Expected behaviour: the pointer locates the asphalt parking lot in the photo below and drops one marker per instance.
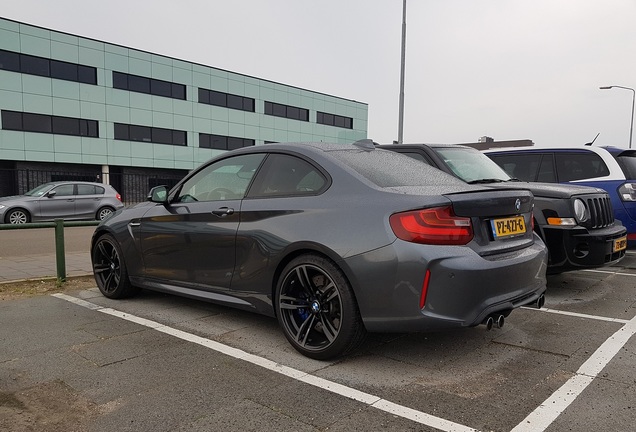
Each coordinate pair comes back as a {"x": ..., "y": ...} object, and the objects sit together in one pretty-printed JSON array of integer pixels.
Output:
[{"x": 163, "y": 363}]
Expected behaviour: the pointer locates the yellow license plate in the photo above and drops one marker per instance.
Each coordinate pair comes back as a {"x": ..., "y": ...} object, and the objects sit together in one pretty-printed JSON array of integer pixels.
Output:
[
  {"x": 620, "y": 244},
  {"x": 506, "y": 227}
]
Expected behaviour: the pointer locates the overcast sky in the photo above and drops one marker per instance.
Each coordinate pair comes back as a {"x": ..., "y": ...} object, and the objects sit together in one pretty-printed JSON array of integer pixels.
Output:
[{"x": 508, "y": 69}]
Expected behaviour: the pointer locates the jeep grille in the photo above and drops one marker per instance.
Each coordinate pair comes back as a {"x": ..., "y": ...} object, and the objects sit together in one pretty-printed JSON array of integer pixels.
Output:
[{"x": 601, "y": 213}]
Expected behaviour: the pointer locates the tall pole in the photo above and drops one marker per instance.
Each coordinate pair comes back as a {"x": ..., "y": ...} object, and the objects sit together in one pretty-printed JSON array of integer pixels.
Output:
[
  {"x": 401, "y": 114},
  {"x": 631, "y": 127}
]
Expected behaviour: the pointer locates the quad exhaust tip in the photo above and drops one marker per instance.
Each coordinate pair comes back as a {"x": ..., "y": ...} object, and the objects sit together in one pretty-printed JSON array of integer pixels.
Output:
[
  {"x": 538, "y": 302},
  {"x": 495, "y": 320}
]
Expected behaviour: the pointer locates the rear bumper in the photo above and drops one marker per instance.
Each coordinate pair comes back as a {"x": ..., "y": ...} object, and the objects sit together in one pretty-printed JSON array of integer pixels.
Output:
[
  {"x": 575, "y": 249},
  {"x": 464, "y": 288}
]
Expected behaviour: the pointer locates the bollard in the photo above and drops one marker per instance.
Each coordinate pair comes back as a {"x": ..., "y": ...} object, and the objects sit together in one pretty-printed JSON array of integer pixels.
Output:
[{"x": 60, "y": 257}]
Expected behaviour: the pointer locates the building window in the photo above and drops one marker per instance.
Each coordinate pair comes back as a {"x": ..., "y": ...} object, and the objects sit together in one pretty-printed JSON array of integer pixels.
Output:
[
  {"x": 151, "y": 86},
  {"x": 30, "y": 122},
  {"x": 334, "y": 120},
  {"x": 128, "y": 132},
  {"x": 212, "y": 97},
  {"x": 221, "y": 142},
  {"x": 41, "y": 66},
  {"x": 290, "y": 112}
]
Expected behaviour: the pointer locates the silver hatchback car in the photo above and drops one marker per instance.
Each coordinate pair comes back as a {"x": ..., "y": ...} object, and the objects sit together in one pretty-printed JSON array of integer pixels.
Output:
[{"x": 65, "y": 200}]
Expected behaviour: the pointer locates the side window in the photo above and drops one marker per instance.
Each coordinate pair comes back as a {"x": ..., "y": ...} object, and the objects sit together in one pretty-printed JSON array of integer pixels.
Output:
[
  {"x": 285, "y": 175},
  {"x": 87, "y": 189},
  {"x": 627, "y": 161},
  {"x": 521, "y": 166},
  {"x": 546, "y": 170},
  {"x": 222, "y": 180},
  {"x": 64, "y": 190},
  {"x": 578, "y": 166}
]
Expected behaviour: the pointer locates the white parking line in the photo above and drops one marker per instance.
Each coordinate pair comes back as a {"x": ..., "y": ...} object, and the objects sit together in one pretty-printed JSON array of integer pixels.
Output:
[
  {"x": 579, "y": 315},
  {"x": 610, "y": 272},
  {"x": 348, "y": 392},
  {"x": 542, "y": 417}
]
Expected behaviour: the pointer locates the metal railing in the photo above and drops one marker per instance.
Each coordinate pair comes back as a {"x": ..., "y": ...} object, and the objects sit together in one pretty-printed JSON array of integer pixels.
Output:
[{"x": 58, "y": 224}]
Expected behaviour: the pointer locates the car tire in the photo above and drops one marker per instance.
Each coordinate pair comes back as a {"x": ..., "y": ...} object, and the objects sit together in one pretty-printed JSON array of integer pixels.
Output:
[
  {"x": 317, "y": 309},
  {"x": 109, "y": 269},
  {"x": 103, "y": 213},
  {"x": 18, "y": 216}
]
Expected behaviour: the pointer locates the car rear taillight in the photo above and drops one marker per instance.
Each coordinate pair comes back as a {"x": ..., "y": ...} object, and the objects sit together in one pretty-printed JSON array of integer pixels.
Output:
[
  {"x": 532, "y": 219},
  {"x": 118, "y": 197},
  {"x": 439, "y": 226},
  {"x": 627, "y": 191}
]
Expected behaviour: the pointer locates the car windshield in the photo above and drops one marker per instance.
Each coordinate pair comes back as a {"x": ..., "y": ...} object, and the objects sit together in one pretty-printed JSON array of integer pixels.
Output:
[
  {"x": 471, "y": 166},
  {"x": 40, "y": 190}
]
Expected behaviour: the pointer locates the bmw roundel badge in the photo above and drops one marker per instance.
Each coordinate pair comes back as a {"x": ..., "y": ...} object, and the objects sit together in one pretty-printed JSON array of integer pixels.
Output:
[{"x": 518, "y": 204}]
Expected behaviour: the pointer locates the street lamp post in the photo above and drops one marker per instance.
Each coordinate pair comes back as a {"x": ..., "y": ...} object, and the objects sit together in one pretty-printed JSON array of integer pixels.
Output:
[
  {"x": 631, "y": 128},
  {"x": 401, "y": 108}
]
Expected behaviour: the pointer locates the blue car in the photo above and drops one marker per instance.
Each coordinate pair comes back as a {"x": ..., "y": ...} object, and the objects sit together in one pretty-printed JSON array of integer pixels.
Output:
[{"x": 610, "y": 168}]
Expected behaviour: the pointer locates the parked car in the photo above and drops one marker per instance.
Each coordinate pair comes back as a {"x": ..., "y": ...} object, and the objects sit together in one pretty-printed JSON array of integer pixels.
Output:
[
  {"x": 333, "y": 240},
  {"x": 68, "y": 200},
  {"x": 609, "y": 168},
  {"x": 576, "y": 222}
]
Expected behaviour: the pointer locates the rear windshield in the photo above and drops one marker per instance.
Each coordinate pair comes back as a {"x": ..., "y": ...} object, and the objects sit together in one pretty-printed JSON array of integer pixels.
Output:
[
  {"x": 627, "y": 161},
  {"x": 386, "y": 168}
]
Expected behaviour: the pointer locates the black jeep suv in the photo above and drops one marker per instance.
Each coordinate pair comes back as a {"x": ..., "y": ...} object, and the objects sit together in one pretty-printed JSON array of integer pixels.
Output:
[{"x": 575, "y": 222}]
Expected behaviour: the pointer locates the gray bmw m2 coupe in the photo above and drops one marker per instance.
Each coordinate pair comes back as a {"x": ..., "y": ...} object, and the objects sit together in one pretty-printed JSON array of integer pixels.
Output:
[{"x": 333, "y": 241}]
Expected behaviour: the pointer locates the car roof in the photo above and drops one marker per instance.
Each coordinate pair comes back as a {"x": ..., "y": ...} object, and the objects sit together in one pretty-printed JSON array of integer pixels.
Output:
[
  {"x": 546, "y": 148},
  {"x": 63, "y": 182},
  {"x": 619, "y": 151},
  {"x": 426, "y": 145}
]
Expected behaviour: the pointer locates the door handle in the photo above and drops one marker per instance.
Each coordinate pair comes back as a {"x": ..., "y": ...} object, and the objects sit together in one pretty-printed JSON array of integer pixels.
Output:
[{"x": 223, "y": 211}]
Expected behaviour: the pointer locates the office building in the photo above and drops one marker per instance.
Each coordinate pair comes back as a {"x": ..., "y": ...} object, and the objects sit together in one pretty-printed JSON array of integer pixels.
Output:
[{"x": 78, "y": 108}]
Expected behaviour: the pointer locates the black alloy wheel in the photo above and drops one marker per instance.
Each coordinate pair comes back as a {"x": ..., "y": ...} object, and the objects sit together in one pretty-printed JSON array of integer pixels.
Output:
[
  {"x": 110, "y": 269},
  {"x": 317, "y": 309}
]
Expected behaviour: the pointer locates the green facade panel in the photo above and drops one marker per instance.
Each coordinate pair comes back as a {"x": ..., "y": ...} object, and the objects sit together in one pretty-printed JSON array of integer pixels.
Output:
[
  {"x": 66, "y": 107},
  {"x": 65, "y": 52},
  {"x": 11, "y": 141},
  {"x": 11, "y": 100},
  {"x": 37, "y": 103}
]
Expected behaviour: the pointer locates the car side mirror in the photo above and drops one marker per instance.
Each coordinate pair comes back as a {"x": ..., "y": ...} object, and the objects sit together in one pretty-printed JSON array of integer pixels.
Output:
[
  {"x": 50, "y": 194},
  {"x": 158, "y": 194}
]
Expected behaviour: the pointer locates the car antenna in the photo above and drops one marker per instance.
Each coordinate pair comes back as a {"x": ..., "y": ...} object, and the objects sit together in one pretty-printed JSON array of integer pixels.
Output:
[
  {"x": 365, "y": 144},
  {"x": 590, "y": 143}
]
